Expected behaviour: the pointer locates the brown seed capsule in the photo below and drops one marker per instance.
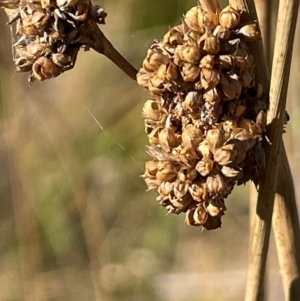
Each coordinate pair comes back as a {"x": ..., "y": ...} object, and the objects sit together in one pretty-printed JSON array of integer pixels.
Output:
[
  {"x": 216, "y": 207},
  {"x": 143, "y": 77},
  {"x": 193, "y": 100},
  {"x": 44, "y": 68},
  {"x": 151, "y": 110},
  {"x": 166, "y": 172},
  {"x": 208, "y": 19},
  {"x": 187, "y": 54},
  {"x": 66, "y": 3},
  {"x": 246, "y": 78},
  {"x": 180, "y": 189},
  {"x": 215, "y": 139},
  {"x": 209, "y": 78},
  {"x": 211, "y": 95},
  {"x": 249, "y": 32},
  {"x": 156, "y": 85},
  {"x": 191, "y": 19},
  {"x": 153, "y": 136},
  {"x": 224, "y": 61},
  {"x": 216, "y": 184},
  {"x": 151, "y": 168},
  {"x": 196, "y": 216},
  {"x": 200, "y": 215},
  {"x": 198, "y": 190},
  {"x": 203, "y": 148},
  {"x": 167, "y": 139},
  {"x": 173, "y": 38},
  {"x": 191, "y": 137},
  {"x": 230, "y": 172},
  {"x": 211, "y": 44},
  {"x": 187, "y": 174},
  {"x": 181, "y": 203},
  {"x": 229, "y": 17},
  {"x": 205, "y": 166},
  {"x": 231, "y": 86},
  {"x": 154, "y": 60},
  {"x": 152, "y": 183},
  {"x": 165, "y": 188},
  {"x": 226, "y": 154},
  {"x": 207, "y": 61},
  {"x": 189, "y": 72},
  {"x": 212, "y": 223}
]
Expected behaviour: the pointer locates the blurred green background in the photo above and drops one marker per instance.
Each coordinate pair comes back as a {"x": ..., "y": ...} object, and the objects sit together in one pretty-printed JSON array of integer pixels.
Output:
[{"x": 75, "y": 221}]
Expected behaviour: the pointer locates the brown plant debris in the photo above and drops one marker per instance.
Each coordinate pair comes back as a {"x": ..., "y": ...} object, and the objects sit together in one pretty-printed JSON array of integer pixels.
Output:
[
  {"x": 49, "y": 33},
  {"x": 206, "y": 121}
]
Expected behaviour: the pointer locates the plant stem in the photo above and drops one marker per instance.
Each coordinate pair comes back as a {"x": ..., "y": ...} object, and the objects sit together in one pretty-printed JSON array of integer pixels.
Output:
[
  {"x": 262, "y": 223},
  {"x": 93, "y": 37}
]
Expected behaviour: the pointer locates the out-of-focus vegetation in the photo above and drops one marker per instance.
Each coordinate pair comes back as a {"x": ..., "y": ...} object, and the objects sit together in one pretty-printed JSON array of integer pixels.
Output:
[{"x": 75, "y": 221}]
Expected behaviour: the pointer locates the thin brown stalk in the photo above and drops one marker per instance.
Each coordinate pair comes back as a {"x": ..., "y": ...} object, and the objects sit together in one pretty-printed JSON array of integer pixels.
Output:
[
  {"x": 286, "y": 231},
  {"x": 93, "y": 37},
  {"x": 210, "y": 5},
  {"x": 262, "y": 223}
]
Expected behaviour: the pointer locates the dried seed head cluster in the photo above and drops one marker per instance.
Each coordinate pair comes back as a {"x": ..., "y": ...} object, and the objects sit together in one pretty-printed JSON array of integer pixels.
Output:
[
  {"x": 48, "y": 33},
  {"x": 205, "y": 122}
]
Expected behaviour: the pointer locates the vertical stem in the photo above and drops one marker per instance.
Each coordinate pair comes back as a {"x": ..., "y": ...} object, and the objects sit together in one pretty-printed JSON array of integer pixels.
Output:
[
  {"x": 261, "y": 231},
  {"x": 286, "y": 231}
]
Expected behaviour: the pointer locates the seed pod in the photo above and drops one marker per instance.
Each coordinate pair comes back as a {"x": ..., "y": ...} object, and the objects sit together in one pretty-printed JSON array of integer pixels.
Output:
[
  {"x": 151, "y": 168},
  {"x": 152, "y": 183},
  {"x": 216, "y": 207},
  {"x": 198, "y": 191},
  {"x": 151, "y": 110},
  {"x": 187, "y": 174},
  {"x": 211, "y": 95},
  {"x": 191, "y": 137},
  {"x": 191, "y": 19},
  {"x": 180, "y": 189},
  {"x": 66, "y": 3},
  {"x": 156, "y": 85},
  {"x": 208, "y": 19},
  {"x": 211, "y": 44},
  {"x": 246, "y": 78},
  {"x": 193, "y": 100},
  {"x": 167, "y": 139},
  {"x": 196, "y": 216},
  {"x": 173, "y": 38},
  {"x": 44, "y": 68},
  {"x": 231, "y": 86},
  {"x": 143, "y": 77},
  {"x": 212, "y": 223},
  {"x": 209, "y": 78},
  {"x": 165, "y": 188},
  {"x": 249, "y": 32},
  {"x": 166, "y": 171},
  {"x": 215, "y": 139},
  {"x": 224, "y": 61},
  {"x": 205, "y": 166},
  {"x": 188, "y": 156},
  {"x": 229, "y": 17},
  {"x": 189, "y": 72},
  {"x": 187, "y": 54},
  {"x": 203, "y": 148},
  {"x": 154, "y": 60},
  {"x": 226, "y": 154},
  {"x": 230, "y": 172},
  {"x": 181, "y": 203},
  {"x": 207, "y": 61},
  {"x": 216, "y": 185}
]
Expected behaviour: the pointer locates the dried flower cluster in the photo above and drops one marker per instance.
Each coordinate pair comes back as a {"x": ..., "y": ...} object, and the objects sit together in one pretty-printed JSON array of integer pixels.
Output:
[
  {"x": 205, "y": 123},
  {"x": 48, "y": 33}
]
